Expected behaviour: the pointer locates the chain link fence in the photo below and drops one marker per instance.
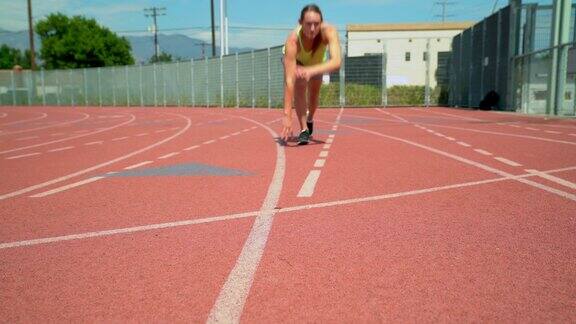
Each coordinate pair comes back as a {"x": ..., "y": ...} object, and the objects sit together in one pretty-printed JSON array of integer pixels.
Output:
[{"x": 251, "y": 79}]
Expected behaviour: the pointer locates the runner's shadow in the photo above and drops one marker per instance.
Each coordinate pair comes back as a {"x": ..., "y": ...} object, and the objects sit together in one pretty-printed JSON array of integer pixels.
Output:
[{"x": 293, "y": 141}]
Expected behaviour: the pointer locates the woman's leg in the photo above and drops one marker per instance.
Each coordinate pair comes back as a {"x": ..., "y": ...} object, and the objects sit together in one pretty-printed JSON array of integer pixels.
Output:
[
  {"x": 313, "y": 99},
  {"x": 300, "y": 101}
]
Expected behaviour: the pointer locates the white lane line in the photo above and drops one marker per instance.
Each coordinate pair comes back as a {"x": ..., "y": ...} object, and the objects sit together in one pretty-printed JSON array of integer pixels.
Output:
[
  {"x": 61, "y": 149},
  {"x": 326, "y": 146},
  {"x": 64, "y": 188},
  {"x": 506, "y": 161},
  {"x": 329, "y": 140},
  {"x": 307, "y": 189},
  {"x": 231, "y": 299},
  {"x": 319, "y": 163},
  {"x": 552, "y": 178},
  {"x": 168, "y": 155},
  {"x": 450, "y": 138},
  {"x": 73, "y": 137},
  {"x": 119, "y": 138},
  {"x": 209, "y": 142},
  {"x": 439, "y": 135},
  {"x": 253, "y": 127},
  {"x": 483, "y": 152},
  {"x": 94, "y": 143},
  {"x": 81, "y": 131},
  {"x": 159, "y": 226},
  {"x": 57, "y": 134},
  {"x": 26, "y": 138},
  {"x": 237, "y": 133},
  {"x": 44, "y": 115},
  {"x": 86, "y": 116},
  {"x": 160, "y": 131},
  {"x": 192, "y": 148},
  {"x": 137, "y": 165},
  {"x": 323, "y": 154},
  {"x": 553, "y": 132},
  {"x": 463, "y": 144},
  {"x": 532, "y": 128},
  {"x": 21, "y": 156},
  {"x": 143, "y": 134},
  {"x": 98, "y": 166},
  {"x": 245, "y": 130},
  {"x": 470, "y": 162},
  {"x": 224, "y": 137},
  {"x": 331, "y": 136},
  {"x": 516, "y": 126}
]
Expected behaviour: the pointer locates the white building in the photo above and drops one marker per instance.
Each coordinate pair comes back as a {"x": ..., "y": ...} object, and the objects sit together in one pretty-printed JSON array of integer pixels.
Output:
[{"x": 405, "y": 46}]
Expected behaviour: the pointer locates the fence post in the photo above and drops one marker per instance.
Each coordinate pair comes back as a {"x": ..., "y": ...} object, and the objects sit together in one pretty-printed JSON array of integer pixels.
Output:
[
  {"x": 99, "y": 89},
  {"x": 343, "y": 82},
  {"x": 237, "y": 83},
  {"x": 383, "y": 76},
  {"x": 85, "y": 87},
  {"x": 58, "y": 91},
  {"x": 72, "y": 101},
  {"x": 43, "y": 87},
  {"x": 114, "y": 86},
  {"x": 30, "y": 88},
  {"x": 178, "y": 84},
  {"x": 427, "y": 78},
  {"x": 207, "y": 82},
  {"x": 192, "y": 82},
  {"x": 269, "y": 82},
  {"x": 253, "y": 81},
  {"x": 163, "y": 66},
  {"x": 141, "y": 87},
  {"x": 13, "y": 88},
  {"x": 221, "y": 59},
  {"x": 127, "y": 86},
  {"x": 155, "y": 86}
]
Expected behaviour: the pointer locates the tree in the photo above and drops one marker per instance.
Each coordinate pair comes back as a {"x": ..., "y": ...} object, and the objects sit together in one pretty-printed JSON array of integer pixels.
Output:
[
  {"x": 80, "y": 42},
  {"x": 162, "y": 58},
  {"x": 9, "y": 57}
]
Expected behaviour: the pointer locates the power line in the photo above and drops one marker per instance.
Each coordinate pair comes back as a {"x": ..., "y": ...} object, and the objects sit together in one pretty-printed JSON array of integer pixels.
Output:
[
  {"x": 155, "y": 13},
  {"x": 444, "y": 3}
]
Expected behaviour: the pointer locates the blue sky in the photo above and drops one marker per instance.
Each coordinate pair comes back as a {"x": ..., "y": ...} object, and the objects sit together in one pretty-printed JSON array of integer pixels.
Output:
[{"x": 254, "y": 23}]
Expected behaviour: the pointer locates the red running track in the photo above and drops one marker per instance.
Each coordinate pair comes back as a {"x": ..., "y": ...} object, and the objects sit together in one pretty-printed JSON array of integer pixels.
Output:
[{"x": 180, "y": 214}]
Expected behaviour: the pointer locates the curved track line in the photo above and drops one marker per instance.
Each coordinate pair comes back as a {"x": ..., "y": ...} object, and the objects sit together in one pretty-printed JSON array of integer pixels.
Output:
[
  {"x": 86, "y": 116},
  {"x": 26, "y": 120},
  {"x": 70, "y": 138},
  {"x": 232, "y": 297},
  {"x": 99, "y": 166},
  {"x": 469, "y": 162}
]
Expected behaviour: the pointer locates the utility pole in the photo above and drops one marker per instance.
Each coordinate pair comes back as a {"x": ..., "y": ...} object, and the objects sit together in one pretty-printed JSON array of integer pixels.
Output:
[
  {"x": 31, "y": 37},
  {"x": 155, "y": 12},
  {"x": 444, "y": 3},
  {"x": 213, "y": 32}
]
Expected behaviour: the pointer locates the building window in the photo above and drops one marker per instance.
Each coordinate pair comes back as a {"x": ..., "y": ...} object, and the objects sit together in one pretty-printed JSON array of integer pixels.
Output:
[{"x": 407, "y": 57}]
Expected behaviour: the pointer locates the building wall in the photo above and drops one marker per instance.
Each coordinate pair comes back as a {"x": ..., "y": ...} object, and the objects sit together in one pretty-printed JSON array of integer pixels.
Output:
[{"x": 396, "y": 44}]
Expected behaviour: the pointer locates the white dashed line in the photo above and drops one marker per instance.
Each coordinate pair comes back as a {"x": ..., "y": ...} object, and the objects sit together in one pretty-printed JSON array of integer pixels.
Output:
[
  {"x": 209, "y": 142},
  {"x": 237, "y": 133},
  {"x": 224, "y": 137},
  {"x": 160, "y": 131},
  {"x": 326, "y": 146},
  {"x": 483, "y": 152},
  {"x": 21, "y": 156},
  {"x": 143, "y": 134},
  {"x": 57, "y": 134},
  {"x": 63, "y": 188},
  {"x": 307, "y": 189},
  {"x": 553, "y": 132},
  {"x": 168, "y": 155},
  {"x": 61, "y": 149},
  {"x": 138, "y": 165},
  {"x": 463, "y": 144},
  {"x": 323, "y": 154},
  {"x": 94, "y": 143},
  {"x": 450, "y": 138},
  {"x": 319, "y": 163},
  {"x": 531, "y": 128},
  {"x": 120, "y": 138},
  {"x": 191, "y": 148},
  {"x": 506, "y": 161},
  {"x": 572, "y": 134},
  {"x": 329, "y": 140}
]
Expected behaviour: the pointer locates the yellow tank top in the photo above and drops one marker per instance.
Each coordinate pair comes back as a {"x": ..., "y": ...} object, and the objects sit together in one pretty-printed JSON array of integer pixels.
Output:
[{"x": 308, "y": 57}]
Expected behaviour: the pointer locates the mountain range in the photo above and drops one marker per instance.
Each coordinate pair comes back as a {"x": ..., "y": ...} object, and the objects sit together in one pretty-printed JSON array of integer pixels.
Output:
[{"x": 179, "y": 46}]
